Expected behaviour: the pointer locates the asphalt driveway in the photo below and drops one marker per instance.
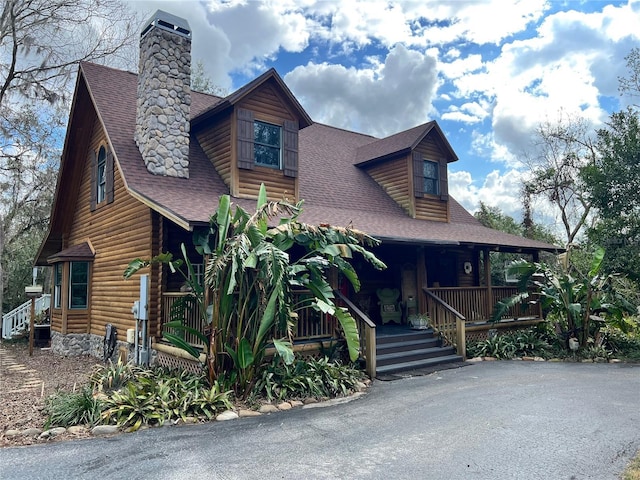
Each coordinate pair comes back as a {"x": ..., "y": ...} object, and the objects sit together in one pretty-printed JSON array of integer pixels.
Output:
[{"x": 493, "y": 420}]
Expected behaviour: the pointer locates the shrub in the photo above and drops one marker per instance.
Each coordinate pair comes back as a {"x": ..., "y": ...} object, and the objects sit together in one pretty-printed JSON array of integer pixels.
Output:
[
  {"x": 622, "y": 345},
  {"x": 65, "y": 409},
  {"x": 523, "y": 343},
  {"x": 161, "y": 395},
  {"x": 307, "y": 378},
  {"x": 114, "y": 376}
]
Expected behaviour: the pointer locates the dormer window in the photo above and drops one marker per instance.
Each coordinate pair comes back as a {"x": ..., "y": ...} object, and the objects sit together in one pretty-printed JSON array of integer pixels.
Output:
[
  {"x": 431, "y": 179},
  {"x": 267, "y": 145},
  {"x": 264, "y": 144}
]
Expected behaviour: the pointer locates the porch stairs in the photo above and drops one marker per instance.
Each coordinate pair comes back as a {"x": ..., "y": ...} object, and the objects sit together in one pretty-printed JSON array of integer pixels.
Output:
[
  {"x": 399, "y": 348},
  {"x": 17, "y": 320}
]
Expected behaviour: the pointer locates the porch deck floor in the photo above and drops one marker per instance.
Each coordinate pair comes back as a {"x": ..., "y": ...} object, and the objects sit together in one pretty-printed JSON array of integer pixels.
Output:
[{"x": 390, "y": 330}]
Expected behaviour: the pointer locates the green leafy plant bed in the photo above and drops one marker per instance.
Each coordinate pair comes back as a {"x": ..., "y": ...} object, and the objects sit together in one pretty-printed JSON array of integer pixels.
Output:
[{"x": 131, "y": 397}]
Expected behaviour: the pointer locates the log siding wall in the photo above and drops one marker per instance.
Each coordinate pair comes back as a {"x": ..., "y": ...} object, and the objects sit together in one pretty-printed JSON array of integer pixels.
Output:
[
  {"x": 216, "y": 144},
  {"x": 393, "y": 177},
  {"x": 268, "y": 106},
  {"x": 119, "y": 232},
  {"x": 432, "y": 207}
]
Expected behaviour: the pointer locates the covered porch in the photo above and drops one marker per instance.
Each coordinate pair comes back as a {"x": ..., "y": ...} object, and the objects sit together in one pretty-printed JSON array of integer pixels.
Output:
[{"x": 451, "y": 284}]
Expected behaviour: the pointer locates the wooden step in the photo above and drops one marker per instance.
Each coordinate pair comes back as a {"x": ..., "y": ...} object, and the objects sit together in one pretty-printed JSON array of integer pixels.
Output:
[
  {"x": 412, "y": 355},
  {"x": 385, "y": 348},
  {"x": 417, "y": 364},
  {"x": 404, "y": 336}
]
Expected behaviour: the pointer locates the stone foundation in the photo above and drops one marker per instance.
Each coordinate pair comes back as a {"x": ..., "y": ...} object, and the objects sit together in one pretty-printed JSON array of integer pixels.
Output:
[{"x": 74, "y": 344}]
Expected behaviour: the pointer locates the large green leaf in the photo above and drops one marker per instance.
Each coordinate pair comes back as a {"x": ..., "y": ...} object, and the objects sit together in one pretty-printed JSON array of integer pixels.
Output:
[
  {"x": 267, "y": 318},
  {"x": 285, "y": 350},
  {"x": 245, "y": 355},
  {"x": 178, "y": 325},
  {"x": 181, "y": 344},
  {"x": 350, "y": 329},
  {"x": 223, "y": 219}
]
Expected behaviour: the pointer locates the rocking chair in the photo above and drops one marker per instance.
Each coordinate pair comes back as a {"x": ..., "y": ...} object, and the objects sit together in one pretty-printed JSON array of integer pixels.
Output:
[{"x": 390, "y": 310}]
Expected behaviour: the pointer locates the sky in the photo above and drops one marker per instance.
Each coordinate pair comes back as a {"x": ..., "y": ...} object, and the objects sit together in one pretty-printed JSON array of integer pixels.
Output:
[{"x": 488, "y": 71}]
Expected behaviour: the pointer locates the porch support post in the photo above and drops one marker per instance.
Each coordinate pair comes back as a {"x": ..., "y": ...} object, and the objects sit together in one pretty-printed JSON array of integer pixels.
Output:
[
  {"x": 370, "y": 353},
  {"x": 461, "y": 338},
  {"x": 422, "y": 280},
  {"x": 487, "y": 280}
]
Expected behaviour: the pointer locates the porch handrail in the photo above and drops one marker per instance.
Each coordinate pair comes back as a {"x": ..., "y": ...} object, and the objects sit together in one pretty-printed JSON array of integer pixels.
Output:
[
  {"x": 17, "y": 320},
  {"x": 368, "y": 340},
  {"x": 448, "y": 321}
]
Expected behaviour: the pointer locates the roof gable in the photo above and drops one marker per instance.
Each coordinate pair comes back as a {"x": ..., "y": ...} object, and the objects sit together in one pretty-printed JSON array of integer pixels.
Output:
[
  {"x": 402, "y": 143},
  {"x": 334, "y": 189},
  {"x": 270, "y": 76}
]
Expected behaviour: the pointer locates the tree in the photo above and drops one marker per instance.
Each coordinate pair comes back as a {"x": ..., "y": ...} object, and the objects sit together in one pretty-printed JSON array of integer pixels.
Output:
[
  {"x": 41, "y": 43},
  {"x": 631, "y": 85},
  {"x": 576, "y": 303},
  {"x": 201, "y": 82},
  {"x": 613, "y": 187},
  {"x": 492, "y": 217},
  {"x": 561, "y": 150},
  {"x": 252, "y": 272}
]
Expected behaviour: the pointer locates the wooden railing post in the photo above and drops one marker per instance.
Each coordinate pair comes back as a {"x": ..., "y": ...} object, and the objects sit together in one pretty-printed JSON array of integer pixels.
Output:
[
  {"x": 370, "y": 351},
  {"x": 461, "y": 338}
]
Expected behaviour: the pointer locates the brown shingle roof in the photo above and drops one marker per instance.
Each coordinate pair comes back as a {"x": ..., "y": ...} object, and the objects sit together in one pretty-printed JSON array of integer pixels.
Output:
[
  {"x": 401, "y": 142},
  {"x": 334, "y": 189}
]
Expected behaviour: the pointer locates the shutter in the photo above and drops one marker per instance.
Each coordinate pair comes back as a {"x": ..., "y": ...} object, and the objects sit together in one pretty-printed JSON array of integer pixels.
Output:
[
  {"x": 444, "y": 183},
  {"x": 109, "y": 173},
  {"x": 245, "y": 139},
  {"x": 418, "y": 175},
  {"x": 94, "y": 186},
  {"x": 290, "y": 148}
]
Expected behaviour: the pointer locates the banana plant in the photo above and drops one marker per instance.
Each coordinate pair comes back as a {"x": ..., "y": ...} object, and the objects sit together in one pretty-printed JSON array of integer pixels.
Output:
[
  {"x": 571, "y": 299},
  {"x": 251, "y": 278}
]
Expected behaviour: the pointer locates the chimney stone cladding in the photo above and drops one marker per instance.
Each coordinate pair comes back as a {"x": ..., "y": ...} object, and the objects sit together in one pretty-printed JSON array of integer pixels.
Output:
[{"x": 164, "y": 98}]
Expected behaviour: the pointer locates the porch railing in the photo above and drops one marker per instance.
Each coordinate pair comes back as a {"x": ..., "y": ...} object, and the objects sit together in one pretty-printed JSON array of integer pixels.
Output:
[
  {"x": 447, "y": 321},
  {"x": 367, "y": 331},
  {"x": 308, "y": 326},
  {"x": 477, "y": 303},
  {"x": 18, "y": 319}
]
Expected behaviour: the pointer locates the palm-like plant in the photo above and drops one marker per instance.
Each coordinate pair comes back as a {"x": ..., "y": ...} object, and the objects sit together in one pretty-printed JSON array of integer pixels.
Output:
[
  {"x": 571, "y": 299},
  {"x": 248, "y": 299}
]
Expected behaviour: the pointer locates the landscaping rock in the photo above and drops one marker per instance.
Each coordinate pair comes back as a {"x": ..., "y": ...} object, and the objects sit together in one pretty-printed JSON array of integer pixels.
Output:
[
  {"x": 104, "y": 430},
  {"x": 11, "y": 433},
  {"x": 53, "y": 432},
  {"x": 284, "y": 406},
  {"x": 296, "y": 403},
  {"x": 227, "y": 415},
  {"x": 190, "y": 420},
  {"x": 31, "y": 432},
  {"x": 490, "y": 359},
  {"x": 360, "y": 387},
  {"x": 77, "y": 430},
  {"x": 587, "y": 360},
  {"x": 475, "y": 359},
  {"x": 528, "y": 359},
  {"x": 309, "y": 400},
  {"x": 600, "y": 360},
  {"x": 268, "y": 408},
  {"x": 248, "y": 413},
  {"x": 615, "y": 360},
  {"x": 516, "y": 359},
  {"x": 538, "y": 359}
]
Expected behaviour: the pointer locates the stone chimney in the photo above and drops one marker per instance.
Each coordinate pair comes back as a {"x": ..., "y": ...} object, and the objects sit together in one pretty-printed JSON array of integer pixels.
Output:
[{"x": 164, "y": 95}]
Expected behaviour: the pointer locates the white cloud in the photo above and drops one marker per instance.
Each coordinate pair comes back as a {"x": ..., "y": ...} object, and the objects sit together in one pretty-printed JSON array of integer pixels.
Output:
[
  {"x": 380, "y": 99},
  {"x": 500, "y": 190}
]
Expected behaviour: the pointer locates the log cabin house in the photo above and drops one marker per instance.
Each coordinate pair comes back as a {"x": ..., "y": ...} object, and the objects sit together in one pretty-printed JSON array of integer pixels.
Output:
[{"x": 146, "y": 159}]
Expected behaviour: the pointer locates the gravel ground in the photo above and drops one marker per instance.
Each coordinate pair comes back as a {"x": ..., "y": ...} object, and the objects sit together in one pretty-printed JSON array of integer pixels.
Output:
[{"x": 26, "y": 381}]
